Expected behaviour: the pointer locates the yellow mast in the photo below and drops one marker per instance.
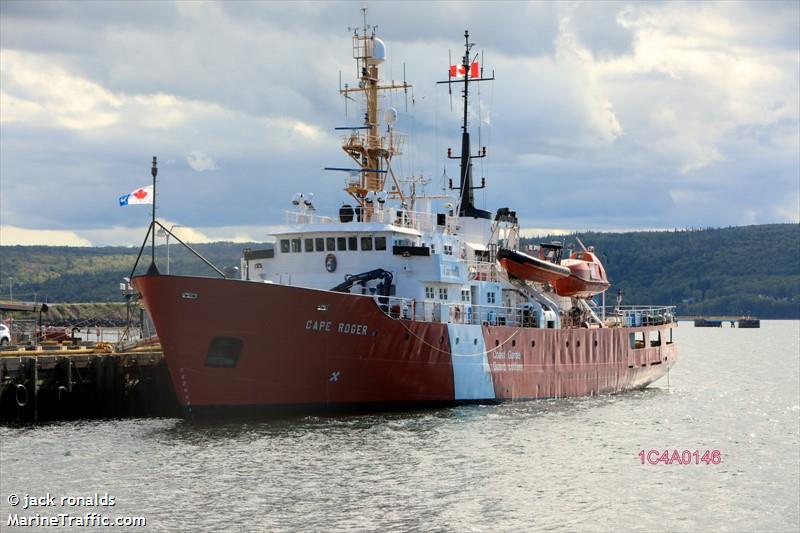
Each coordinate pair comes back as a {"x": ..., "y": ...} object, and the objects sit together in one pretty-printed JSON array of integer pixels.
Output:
[{"x": 366, "y": 146}]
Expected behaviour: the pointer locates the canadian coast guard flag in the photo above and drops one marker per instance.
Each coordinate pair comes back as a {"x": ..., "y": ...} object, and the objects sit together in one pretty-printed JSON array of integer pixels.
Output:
[
  {"x": 457, "y": 71},
  {"x": 142, "y": 195}
]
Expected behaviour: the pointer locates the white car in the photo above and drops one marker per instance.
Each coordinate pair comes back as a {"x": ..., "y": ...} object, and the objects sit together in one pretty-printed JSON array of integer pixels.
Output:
[{"x": 5, "y": 335}]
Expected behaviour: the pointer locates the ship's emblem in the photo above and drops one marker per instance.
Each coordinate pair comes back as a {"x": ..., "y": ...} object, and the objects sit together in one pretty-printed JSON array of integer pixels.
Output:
[
  {"x": 334, "y": 376},
  {"x": 330, "y": 263}
]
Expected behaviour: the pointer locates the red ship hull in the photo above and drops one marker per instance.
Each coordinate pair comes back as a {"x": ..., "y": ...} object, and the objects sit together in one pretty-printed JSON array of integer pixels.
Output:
[{"x": 301, "y": 347}]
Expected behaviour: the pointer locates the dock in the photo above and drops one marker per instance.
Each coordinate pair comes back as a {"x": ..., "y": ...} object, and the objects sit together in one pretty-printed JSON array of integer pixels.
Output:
[
  {"x": 67, "y": 382},
  {"x": 742, "y": 322}
]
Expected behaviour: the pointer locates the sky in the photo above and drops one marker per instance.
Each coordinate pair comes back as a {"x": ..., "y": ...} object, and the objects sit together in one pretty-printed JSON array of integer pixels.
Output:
[{"x": 608, "y": 116}]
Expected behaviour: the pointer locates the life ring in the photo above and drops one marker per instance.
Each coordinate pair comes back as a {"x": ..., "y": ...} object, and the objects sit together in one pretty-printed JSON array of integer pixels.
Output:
[
  {"x": 330, "y": 263},
  {"x": 21, "y": 395}
]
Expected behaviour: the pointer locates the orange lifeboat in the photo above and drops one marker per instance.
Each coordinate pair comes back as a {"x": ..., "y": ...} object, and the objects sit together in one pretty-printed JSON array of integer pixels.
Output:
[
  {"x": 587, "y": 276},
  {"x": 523, "y": 266}
]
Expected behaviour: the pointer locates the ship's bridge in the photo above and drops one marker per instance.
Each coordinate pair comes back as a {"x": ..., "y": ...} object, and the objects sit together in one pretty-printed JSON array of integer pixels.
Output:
[{"x": 395, "y": 217}]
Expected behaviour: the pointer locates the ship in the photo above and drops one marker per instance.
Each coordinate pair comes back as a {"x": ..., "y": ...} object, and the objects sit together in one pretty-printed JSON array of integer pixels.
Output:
[{"x": 397, "y": 298}]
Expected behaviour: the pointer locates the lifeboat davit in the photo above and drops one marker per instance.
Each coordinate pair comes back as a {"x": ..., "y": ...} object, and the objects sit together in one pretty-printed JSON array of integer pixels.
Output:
[
  {"x": 523, "y": 266},
  {"x": 587, "y": 276}
]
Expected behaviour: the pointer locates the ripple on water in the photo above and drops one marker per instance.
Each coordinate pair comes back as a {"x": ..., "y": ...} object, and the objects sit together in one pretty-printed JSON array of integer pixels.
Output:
[{"x": 541, "y": 465}]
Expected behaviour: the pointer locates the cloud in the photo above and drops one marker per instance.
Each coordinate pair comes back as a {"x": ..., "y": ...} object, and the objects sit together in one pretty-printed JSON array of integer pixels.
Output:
[
  {"x": 602, "y": 115},
  {"x": 200, "y": 162},
  {"x": 132, "y": 236},
  {"x": 52, "y": 95},
  {"x": 12, "y": 235}
]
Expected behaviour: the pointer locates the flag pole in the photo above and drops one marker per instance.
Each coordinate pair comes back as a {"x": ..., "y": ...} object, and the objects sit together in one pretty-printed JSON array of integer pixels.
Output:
[{"x": 154, "y": 172}]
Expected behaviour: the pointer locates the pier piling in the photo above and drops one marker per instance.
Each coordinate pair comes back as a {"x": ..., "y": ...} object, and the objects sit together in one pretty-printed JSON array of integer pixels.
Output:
[{"x": 67, "y": 384}]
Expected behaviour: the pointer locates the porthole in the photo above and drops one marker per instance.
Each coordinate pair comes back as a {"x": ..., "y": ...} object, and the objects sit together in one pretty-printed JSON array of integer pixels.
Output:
[
  {"x": 475, "y": 342},
  {"x": 567, "y": 344},
  {"x": 513, "y": 343},
  {"x": 457, "y": 339},
  {"x": 577, "y": 344},
  {"x": 496, "y": 342},
  {"x": 441, "y": 340},
  {"x": 595, "y": 343},
  {"x": 533, "y": 344}
]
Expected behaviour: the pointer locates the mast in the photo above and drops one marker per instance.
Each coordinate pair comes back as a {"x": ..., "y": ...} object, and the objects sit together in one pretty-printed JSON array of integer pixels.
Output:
[
  {"x": 469, "y": 70},
  {"x": 153, "y": 269},
  {"x": 366, "y": 145}
]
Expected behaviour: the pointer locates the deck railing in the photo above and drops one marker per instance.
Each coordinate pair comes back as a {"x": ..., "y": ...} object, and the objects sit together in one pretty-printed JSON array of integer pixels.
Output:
[
  {"x": 521, "y": 316},
  {"x": 638, "y": 315},
  {"x": 425, "y": 222},
  {"x": 455, "y": 312}
]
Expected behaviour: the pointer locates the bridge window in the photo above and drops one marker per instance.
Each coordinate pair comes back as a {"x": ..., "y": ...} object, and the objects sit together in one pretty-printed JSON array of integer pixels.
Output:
[
  {"x": 284, "y": 246},
  {"x": 636, "y": 340},
  {"x": 429, "y": 293},
  {"x": 448, "y": 249},
  {"x": 352, "y": 243},
  {"x": 309, "y": 245},
  {"x": 442, "y": 293},
  {"x": 655, "y": 338},
  {"x": 341, "y": 244},
  {"x": 490, "y": 297},
  {"x": 295, "y": 245},
  {"x": 330, "y": 244},
  {"x": 319, "y": 244},
  {"x": 465, "y": 295},
  {"x": 366, "y": 244},
  {"x": 380, "y": 243}
]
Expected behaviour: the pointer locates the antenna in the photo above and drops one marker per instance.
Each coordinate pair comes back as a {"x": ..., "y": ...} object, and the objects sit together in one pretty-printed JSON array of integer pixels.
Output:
[
  {"x": 364, "y": 14},
  {"x": 450, "y": 86},
  {"x": 343, "y": 94},
  {"x": 405, "y": 85}
]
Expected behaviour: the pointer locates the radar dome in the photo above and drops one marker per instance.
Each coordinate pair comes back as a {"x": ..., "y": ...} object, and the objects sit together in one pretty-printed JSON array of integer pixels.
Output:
[
  {"x": 376, "y": 51},
  {"x": 390, "y": 115}
]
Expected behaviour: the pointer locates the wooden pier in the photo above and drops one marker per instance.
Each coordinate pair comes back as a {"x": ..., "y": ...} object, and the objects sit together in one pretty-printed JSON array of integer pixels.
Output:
[{"x": 46, "y": 383}]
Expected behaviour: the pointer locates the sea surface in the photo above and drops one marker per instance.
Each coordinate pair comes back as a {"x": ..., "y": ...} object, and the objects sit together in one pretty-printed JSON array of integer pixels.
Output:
[{"x": 549, "y": 465}]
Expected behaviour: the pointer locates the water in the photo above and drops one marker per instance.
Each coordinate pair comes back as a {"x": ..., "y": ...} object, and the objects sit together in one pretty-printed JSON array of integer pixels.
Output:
[{"x": 568, "y": 464}]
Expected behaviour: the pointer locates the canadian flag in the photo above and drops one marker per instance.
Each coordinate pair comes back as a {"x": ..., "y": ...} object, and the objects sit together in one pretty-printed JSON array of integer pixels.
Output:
[
  {"x": 458, "y": 71},
  {"x": 142, "y": 195}
]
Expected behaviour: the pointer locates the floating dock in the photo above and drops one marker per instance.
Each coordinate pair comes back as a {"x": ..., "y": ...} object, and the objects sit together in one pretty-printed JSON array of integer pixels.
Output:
[
  {"x": 55, "y": 382},
  {"x": 718, "y": 322}
]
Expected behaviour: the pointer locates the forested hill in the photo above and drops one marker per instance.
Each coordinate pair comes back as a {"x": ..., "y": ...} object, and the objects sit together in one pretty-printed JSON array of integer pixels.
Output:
[
  {"x": 727, "y": 271},
  {"x": 731, "y": 271}
]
